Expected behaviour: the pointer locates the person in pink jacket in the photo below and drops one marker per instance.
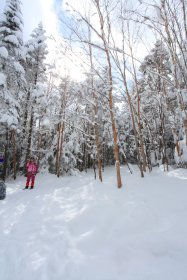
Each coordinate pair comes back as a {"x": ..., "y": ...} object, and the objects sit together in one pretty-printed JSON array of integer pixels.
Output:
[{"x": 32, "y": 168}]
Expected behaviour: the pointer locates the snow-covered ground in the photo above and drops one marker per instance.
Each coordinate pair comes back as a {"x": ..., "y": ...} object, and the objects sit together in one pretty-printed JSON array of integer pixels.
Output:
[{"x": 75, "y": 228}]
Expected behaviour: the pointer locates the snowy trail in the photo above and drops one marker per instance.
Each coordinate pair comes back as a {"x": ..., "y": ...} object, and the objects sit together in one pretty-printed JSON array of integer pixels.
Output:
[{"x": 75, "y": 228}]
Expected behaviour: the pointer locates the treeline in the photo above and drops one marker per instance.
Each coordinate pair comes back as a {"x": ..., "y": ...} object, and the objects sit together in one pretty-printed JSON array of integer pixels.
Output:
[{"x": 126, "y": 110}]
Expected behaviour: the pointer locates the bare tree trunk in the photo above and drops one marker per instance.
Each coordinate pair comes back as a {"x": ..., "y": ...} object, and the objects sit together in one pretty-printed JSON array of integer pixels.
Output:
[
  {"x": 134, "y": 126},
  {"x": 61, "y": 127},
  {"x": 116, "y": 148},
  {"x": 6, "y": 155},
  {"x": 185, "y": 129},
  {"x": 14, "y": 153},
  {"x": 99, "y": 161},
  {"x": 25, "y": 117},
  {"x": 97, "y": 140},
  {"x": 39, "y": 146},
  {"x": 60, "y": 148},
  {"x": 141, "y": 137},
  {"x": 122, "y": 70},
  {"x": 115, "y": 137},
  {"x": 28, "y": 152},
  {"x": 142, "y": 151}
]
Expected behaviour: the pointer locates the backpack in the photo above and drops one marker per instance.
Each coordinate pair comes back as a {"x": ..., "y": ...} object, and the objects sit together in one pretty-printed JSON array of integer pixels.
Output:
[
  {"x": 2, "y": 190},
  {"x": 31, "y": 168}
]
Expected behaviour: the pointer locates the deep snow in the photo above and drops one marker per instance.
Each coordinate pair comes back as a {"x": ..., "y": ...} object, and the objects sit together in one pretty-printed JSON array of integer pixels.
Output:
[{"x": 75, "y": 228}]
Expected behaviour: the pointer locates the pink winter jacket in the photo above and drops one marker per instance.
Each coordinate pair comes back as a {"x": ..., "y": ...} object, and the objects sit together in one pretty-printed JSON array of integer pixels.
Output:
[{"x": 31, "y": 168}]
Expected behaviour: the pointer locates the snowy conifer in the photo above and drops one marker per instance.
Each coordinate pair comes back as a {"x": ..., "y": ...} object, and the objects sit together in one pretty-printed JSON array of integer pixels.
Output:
[
  {"x": 155, "y": 87},
  {"x": 12, "y": 81},
  {"x": 35, "y": 68},
  {"x": 11, "y": 70}
]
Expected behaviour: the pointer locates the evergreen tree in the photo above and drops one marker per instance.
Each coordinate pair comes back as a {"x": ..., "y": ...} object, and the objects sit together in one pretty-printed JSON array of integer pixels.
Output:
[
  {"x": 34, "y": 103},
  {"x": 155, "y": 87},
  {"x": 11, "y": 56},
  {"x": 12, "y": 80}
]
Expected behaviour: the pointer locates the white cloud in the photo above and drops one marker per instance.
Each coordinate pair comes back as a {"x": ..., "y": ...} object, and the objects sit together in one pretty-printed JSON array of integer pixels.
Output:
[
  {"x": 78, "y": 5},
  {"x": 35, "y": 11},
  {"x": 49, "y": 17},
  {"x": 32, "y": 15}
]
